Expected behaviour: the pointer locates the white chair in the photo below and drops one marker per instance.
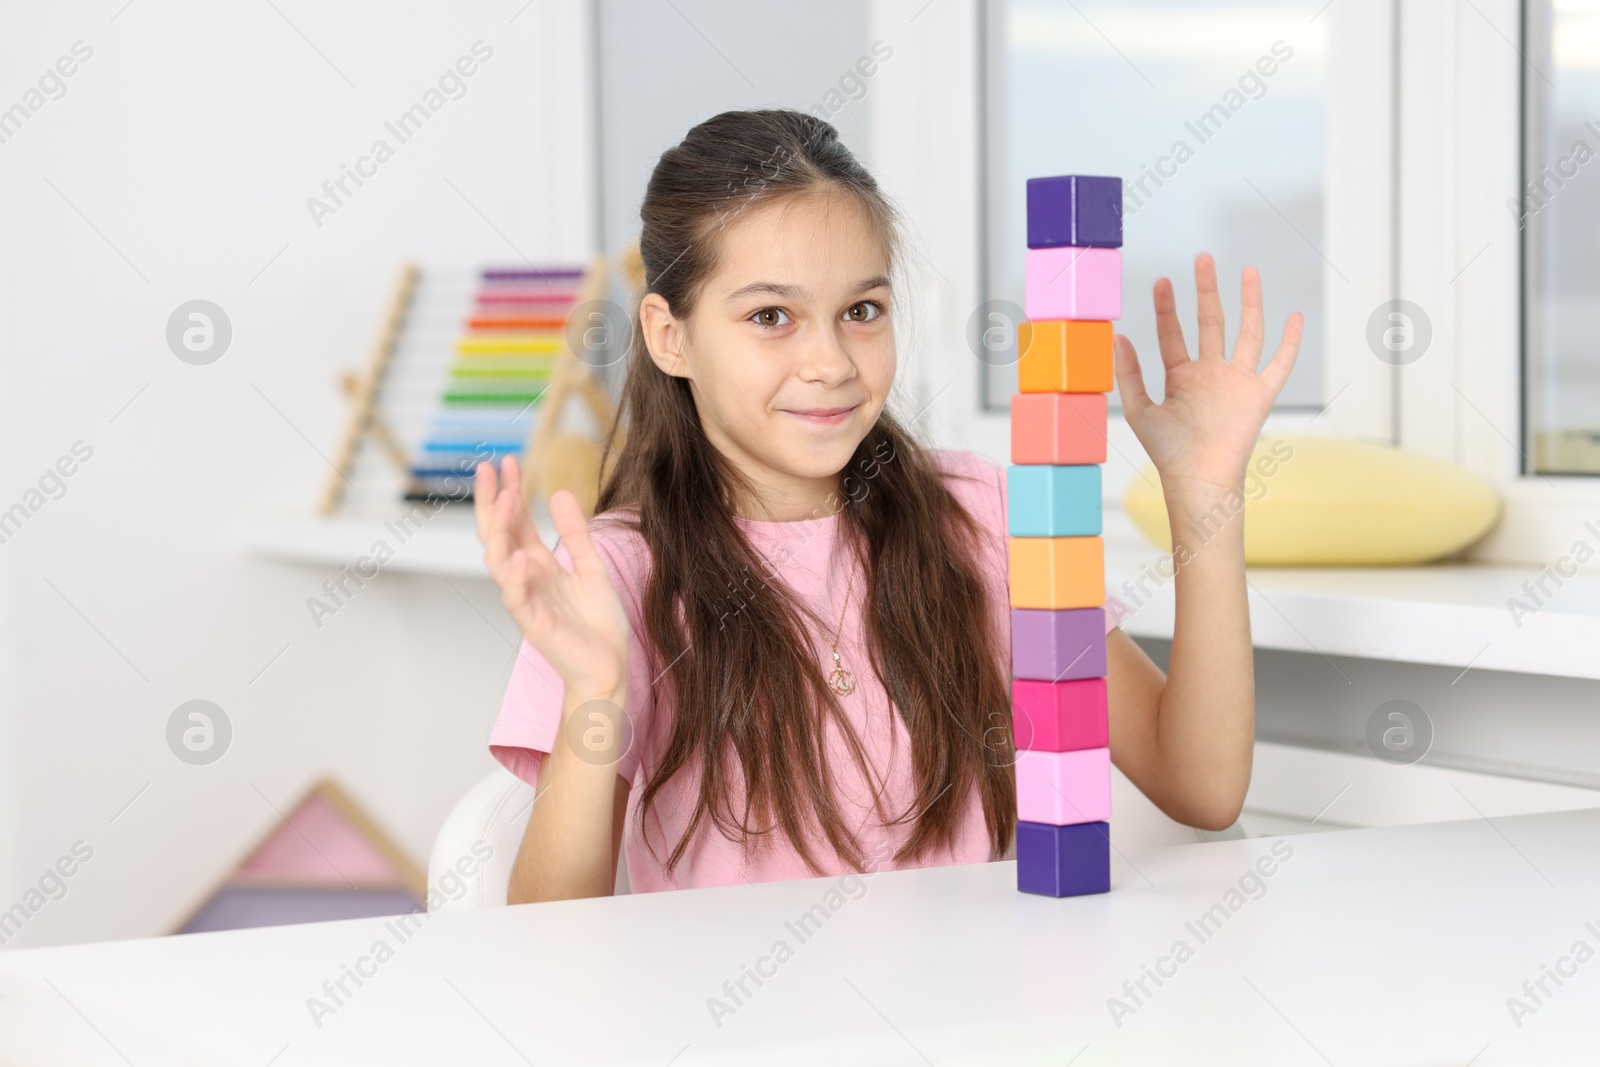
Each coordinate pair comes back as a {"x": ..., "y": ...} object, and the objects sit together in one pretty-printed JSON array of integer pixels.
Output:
[
  {"x": 495, "y": 812},
  {"x": 491, "y": 817}
]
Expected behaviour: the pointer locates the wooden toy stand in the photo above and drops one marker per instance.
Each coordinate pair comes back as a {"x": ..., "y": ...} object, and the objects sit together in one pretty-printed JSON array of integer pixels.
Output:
[
  {"x": 553, "y": 456},
  {"x": 555, "y": 459},
  {"x": 363, "y": 389}
]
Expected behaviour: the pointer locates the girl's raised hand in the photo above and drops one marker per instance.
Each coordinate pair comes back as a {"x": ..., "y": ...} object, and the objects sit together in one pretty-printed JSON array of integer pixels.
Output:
[
  {"x": 1201, "y": 434},
  {"x": 573, "y": 618}
]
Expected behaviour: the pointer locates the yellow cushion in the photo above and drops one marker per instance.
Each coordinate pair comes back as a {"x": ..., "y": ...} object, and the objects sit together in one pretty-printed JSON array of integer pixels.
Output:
[{"x": 1312, "y": 501}]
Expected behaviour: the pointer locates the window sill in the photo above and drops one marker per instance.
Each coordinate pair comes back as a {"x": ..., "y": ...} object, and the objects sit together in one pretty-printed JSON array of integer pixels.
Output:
[{"x": 1448, "y": 615}]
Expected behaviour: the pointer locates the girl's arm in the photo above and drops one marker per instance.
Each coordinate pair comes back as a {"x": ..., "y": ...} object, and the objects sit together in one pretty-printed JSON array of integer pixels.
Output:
[
  {"x": 575, "y": 620},
  {"x": 570, "y": 845},
  {"x": 1186, "y": 739}
]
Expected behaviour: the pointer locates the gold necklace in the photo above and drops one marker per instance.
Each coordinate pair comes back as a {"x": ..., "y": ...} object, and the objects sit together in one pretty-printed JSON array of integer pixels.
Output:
[{"x": 842, "y": 681}]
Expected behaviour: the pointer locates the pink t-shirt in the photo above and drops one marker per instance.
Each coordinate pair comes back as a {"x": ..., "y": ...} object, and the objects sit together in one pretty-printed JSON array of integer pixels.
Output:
[{"x": 803, "y": 554}]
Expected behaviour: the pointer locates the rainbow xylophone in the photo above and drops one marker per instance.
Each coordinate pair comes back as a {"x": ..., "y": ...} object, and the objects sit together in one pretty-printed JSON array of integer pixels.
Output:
[
  {"x": 1073, "y": 292},
  {"x": 511, "y": 343},
  {"x": 498, "y": 340}
]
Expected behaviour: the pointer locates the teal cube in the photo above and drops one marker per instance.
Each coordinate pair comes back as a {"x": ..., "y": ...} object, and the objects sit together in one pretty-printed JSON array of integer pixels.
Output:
[{"x": 1051, "y": 500}]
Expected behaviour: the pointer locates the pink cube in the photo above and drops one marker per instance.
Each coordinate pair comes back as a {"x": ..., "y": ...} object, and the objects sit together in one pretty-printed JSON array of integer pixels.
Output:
[
  {"x": 1063, "y": 428},
  {"x": 1073, "y": 283},
  {"x": 1059, "y": 716},
  {"x": 1064, "y": 788}
]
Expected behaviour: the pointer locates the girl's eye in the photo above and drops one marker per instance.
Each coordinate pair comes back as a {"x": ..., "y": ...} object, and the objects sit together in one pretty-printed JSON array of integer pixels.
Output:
[
  {"x": 865, "y": 311},
  {"x": 770, "y": 318}
]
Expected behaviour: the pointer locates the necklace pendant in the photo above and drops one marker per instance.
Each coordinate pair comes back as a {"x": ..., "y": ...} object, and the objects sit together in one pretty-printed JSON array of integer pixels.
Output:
[{"x": 842, "y": 681}]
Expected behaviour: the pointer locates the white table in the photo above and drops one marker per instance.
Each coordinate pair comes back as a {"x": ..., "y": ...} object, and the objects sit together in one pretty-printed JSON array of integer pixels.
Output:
[{"x": 1393, "y": 945}]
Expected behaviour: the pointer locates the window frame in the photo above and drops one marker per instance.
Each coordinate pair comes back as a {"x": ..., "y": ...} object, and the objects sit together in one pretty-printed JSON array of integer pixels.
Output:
[
  {"x": 1360, "y": 391},
  {"x": 1467, "y": 62}
]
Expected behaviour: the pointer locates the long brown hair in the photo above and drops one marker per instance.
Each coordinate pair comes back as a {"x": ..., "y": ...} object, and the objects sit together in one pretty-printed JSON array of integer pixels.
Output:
[{"x": 750, "y": 692}]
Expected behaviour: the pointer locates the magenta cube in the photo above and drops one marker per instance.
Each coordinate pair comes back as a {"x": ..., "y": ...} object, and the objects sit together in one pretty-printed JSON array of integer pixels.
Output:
[
  {"x": 1059, "y": 716},
  {"x": 1063, "y": 861},
  {"x": 1073, "y": 283},
  {"x": 1054, "y": 645},
  {"x": 1074, "y": 209},
  {"x": 1063, "y": 788}
]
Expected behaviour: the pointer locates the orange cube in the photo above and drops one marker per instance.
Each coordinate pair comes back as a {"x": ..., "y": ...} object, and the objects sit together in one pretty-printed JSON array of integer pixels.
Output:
[
  {"x": 1060, "y": 428},
  {"x": 1058, "y": 572},
  {"x": 1064, "y": 356}
]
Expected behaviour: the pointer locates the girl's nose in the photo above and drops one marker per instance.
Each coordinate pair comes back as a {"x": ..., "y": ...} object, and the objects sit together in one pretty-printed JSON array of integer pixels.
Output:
[{"x": 827, "y": 361}]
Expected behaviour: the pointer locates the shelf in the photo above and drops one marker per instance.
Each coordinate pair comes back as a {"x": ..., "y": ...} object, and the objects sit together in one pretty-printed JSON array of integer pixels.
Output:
[
  {"x": 1451, "y": 615},
  {"x": 446, "y": 544}
]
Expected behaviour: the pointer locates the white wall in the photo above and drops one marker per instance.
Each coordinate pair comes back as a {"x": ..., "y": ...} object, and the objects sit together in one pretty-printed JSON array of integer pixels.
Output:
[
  {"x": 177, "y": 166},
  {"x": 187, "y": 145}
]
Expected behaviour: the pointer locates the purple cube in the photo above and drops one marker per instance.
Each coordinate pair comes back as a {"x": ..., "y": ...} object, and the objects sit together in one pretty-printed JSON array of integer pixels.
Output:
[
  {"x": 1054, "y": 645},
  {"x": 1075, "y": 209},
  {"x": 1064, "y": 861}
]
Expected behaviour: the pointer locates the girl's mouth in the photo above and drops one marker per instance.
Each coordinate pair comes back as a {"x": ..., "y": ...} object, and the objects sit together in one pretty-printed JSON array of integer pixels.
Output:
[{"x": 824, "y": 416}]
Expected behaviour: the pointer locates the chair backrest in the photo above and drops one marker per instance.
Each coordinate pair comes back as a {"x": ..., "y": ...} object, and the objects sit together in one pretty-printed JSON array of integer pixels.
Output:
[{"x": 470, "y": 866}]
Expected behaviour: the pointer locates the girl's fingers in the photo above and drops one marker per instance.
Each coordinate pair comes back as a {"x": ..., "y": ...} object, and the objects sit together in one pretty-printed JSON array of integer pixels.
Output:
[
  {"x": 484, "y": 490},
  {"x": 1276, "y": 372},
  {"x": 1210, "y": 307},
  {"x": 1252, "y": 327},
  {"x": 496, "y": 537},
  {"x": 511, "y": 471},
  {"x": 521, "y": 530},
  {"x": 1130, "y": 380},
  {"x": 524, "y": 534},
  {"x": 514, "y": 590},
  {"x": 1169, "y": 331},
  {"x": 521, "y": 571},
  {"x": 517, "y": 595},
  {"x": 497, "y": 509},
  {"x": 574, "y": 531}
]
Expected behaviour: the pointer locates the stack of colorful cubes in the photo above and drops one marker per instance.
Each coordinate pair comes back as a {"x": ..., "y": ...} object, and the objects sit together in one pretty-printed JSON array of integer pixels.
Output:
[{"x": 1073, "y": 287}]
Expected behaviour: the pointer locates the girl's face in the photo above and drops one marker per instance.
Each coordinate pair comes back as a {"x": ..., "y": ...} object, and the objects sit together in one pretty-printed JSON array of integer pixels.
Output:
[{"x": 790, "y": 350}]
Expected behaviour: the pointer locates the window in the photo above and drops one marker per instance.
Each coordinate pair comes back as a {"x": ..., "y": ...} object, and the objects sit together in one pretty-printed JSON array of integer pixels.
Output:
[
  {"x": 1558, "y": 214},
  {"x": 1214, "y": 116}
]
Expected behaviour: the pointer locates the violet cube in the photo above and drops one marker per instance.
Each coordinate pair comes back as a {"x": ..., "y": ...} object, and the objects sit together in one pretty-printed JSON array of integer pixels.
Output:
[
  {"x": 1064, "y": 861},
  {"x": 1053, "y": 645},
  {"x": 1075, "y": 209}
]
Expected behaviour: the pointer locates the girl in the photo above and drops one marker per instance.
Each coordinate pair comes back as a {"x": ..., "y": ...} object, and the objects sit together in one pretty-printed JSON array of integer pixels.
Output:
[{"x": 782, "y": 649}]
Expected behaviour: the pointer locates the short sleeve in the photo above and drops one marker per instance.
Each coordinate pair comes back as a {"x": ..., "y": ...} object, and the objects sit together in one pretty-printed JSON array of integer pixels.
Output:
[{"x": 530, "y": 713}]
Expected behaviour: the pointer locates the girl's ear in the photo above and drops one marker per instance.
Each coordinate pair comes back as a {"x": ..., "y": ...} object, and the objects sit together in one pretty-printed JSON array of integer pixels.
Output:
[{"x": 663, "y": 335}]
